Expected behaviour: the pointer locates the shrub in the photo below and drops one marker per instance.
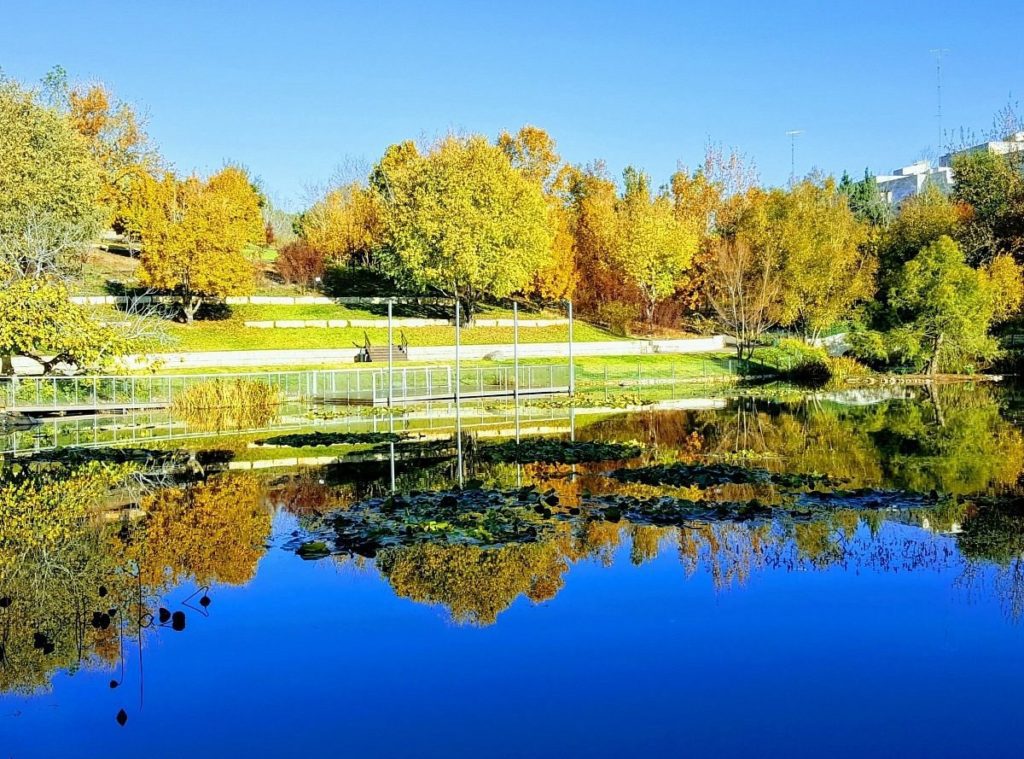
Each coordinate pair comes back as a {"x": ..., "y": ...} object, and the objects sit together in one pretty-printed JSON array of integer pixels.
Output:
[
  {"x": 344, "y": 280},
  {"x": 221, "y": 404},
  {"x": 841, "y": 368},
  {"x": 617, "y": 316},
  {"x": 809, "y": 363},
  {"x": 301, "y": 264}
]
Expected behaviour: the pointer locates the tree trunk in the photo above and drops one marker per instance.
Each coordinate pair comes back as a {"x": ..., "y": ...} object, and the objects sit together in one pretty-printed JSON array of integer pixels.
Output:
[
  {"x": 189, "y": 305},
  {"x": 7, "y": 365},
  {"x": 933, "y": 364},
  {"x": 468, "y": 309}
]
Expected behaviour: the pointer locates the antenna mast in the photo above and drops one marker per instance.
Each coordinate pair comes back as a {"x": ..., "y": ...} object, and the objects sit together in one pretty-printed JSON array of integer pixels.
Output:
[
  {"x": 939, "y": 52},
  {"x": 793, "y": 134}
]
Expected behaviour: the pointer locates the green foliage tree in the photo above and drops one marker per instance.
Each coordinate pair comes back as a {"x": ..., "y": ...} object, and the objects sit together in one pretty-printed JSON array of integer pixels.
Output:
[
  {"x": 949, "y": 307},
  {"x": 39, "y": 321},
  {"x": 49, "y": 183},
  {"x": 991, "y": 187},
  {"x": 922, "y": 220},
  {"x": 461, "y": 219},
  {"x": 865, "y": 199}
]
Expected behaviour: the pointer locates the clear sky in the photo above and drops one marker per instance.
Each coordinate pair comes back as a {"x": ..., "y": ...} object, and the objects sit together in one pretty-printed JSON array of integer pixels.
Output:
[{"x": 293, "y": 89}]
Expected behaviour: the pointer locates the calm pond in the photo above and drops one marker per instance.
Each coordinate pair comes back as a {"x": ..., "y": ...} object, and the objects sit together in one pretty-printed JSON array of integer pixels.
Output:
[{"x": 779, "y": 573}]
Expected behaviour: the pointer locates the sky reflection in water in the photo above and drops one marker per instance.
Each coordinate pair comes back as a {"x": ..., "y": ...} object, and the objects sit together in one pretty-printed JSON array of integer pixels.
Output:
[{"x": 844, "y": 631}]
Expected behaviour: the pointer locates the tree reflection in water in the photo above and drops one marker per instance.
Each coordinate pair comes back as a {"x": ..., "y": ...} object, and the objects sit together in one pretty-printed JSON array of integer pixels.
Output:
[{"x": 86, "y": 557}]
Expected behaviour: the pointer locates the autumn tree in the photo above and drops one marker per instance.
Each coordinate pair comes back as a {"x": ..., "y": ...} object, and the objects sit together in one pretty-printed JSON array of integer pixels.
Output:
[
  {"x": 652, "y": 248},
  {"x": 826, "y": 266},
  {"x": 745, "y": 284},
  {"x": 344, "y": 225},
  {"x": 532, "y": 152},
  {"x": 460, "y": 219},
  {"x": 38, "y": 321},
  {"x": 601, "y": 290},
  {"x": 196, "y": 235},
  {"x": 117, "y": 142},
  {"x": 49, "y": 183}
]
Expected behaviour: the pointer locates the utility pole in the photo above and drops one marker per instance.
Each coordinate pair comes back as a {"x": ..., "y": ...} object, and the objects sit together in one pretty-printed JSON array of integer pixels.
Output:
[
  {"x": 793, "y": 134},
  {"x": 939, "y": 52}
]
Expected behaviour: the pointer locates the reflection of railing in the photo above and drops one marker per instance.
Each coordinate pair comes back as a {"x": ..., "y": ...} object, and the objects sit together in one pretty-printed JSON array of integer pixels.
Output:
[{"x": 140, "y": 428}]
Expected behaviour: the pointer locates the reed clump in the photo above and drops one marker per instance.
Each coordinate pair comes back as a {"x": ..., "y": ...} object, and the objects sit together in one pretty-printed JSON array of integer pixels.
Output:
[{"x": 236, "y": 403}]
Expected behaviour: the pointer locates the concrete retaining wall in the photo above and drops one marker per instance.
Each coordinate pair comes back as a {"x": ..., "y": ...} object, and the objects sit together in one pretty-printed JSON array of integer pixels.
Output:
[
  {"x": 340, "y": 356},
  {"x": 260, "y": 300}
]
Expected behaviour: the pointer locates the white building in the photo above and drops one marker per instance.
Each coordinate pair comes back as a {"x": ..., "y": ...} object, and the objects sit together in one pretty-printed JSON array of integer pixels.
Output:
[
  {"x": 1012, "y": 144},
  {"x": 911, "y": 180}
]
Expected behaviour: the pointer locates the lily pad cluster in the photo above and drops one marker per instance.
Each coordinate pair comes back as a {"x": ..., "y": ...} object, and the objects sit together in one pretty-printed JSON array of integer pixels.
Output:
[
  {"x": 667, "y": 511},
  {"x": 470, "y": 517},
  {"x": 316, "y": 439},
  {"x": 716, "y": 475},
  {"x": 553, "y": 451}
]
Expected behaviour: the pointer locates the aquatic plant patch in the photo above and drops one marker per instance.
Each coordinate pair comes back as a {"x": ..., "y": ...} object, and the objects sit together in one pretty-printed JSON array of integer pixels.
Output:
[
  {"x": 466, "y": 517},
  {"x": 317, "y": 439},
  {"x": 553, "y": 451},
  {"x": 713, "y": 475}
]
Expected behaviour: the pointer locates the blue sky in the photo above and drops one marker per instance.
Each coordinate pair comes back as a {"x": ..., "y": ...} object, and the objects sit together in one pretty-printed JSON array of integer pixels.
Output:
[{"x": 293, "y": 89}]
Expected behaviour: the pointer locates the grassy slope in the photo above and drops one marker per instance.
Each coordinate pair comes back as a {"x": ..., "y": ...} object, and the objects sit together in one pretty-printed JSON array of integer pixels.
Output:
[{"x": 232, "y": 334}]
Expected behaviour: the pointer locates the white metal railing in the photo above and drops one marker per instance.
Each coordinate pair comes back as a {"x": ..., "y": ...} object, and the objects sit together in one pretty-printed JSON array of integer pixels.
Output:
[{"x": 365, "y": 385}]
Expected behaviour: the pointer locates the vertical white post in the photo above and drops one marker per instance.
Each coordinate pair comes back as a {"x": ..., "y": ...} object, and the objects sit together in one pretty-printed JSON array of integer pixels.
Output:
[
  {"x": 458, "y": 340},
  {"x": 391, "y": 348},
  {"x": 572, "y": 366},
  {"x": 515, "y": 358}
]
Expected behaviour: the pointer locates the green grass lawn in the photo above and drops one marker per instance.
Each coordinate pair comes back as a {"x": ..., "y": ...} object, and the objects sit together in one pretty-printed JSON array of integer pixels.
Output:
[{"x": 232, "y": 334}]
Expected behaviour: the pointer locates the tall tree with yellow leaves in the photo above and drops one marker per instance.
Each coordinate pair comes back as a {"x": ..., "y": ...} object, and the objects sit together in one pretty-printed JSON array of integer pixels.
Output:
[
  {"x": 344, "y": 225},
  {"x": 196, "y": 236},
  {"x": 460, "y": 219},
  {"x": 118, "y": 144},
  {"x": 532, "y": 152},
  {"x": 652, "y": 248}
]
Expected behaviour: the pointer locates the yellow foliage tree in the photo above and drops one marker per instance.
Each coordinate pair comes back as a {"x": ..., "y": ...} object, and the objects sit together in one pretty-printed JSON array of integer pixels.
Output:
[
  {"x": 345, "y": 224},
  {"x": 117, "y": 142},
  {"x": 532, "y": 152},
  {"x": 196, "y": 235},
  {"x": 652, "y": 247}
]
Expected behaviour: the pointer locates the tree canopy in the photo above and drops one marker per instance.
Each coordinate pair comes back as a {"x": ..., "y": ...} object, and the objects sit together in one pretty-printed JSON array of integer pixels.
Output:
[
  {"x": 196, "y": 235},
  {"x": 461, "y": 219},
  {"x": 47, "y": 174}
]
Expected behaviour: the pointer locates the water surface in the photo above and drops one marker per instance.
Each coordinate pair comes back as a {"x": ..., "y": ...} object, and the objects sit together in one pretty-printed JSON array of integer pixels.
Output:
[{"x": 870, "y": 605}]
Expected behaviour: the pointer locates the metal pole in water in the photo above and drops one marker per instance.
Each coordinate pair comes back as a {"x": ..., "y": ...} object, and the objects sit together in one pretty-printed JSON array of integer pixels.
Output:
[
  {"x": 391, "y": 358},
  {"x": 391, "y": 429}
]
